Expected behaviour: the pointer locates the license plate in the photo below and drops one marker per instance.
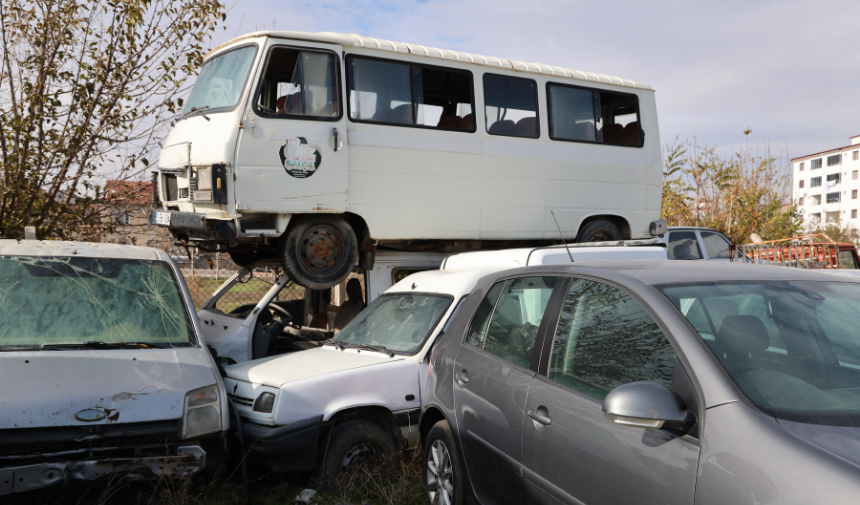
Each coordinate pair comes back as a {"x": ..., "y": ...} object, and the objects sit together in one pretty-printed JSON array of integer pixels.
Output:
[{"x": 162, "y": 218}]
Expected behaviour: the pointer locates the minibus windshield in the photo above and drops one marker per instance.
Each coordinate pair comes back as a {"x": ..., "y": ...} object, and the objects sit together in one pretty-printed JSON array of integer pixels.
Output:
[
  {"x": 400, "y": 322},
  {"x": 221, "y": 81},
  {"x": 61, "y": 303},
  {"x": 791, "y": 347}
]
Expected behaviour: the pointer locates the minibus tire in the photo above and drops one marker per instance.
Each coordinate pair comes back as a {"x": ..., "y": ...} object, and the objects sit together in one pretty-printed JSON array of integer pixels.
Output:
[
  {"x": 599, "y": 231},
  {"x": 314, "y": 235}
]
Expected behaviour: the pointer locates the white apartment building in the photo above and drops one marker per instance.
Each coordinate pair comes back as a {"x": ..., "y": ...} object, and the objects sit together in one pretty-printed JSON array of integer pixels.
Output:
[{"x": 826, "y": 185}]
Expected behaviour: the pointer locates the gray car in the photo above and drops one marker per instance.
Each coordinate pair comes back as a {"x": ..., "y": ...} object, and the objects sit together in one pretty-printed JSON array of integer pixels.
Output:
[{"x": 647, "y": 382}]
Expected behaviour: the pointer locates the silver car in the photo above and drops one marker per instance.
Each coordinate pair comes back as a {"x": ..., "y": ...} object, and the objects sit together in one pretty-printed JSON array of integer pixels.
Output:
[{"x": 647, "y": 382}]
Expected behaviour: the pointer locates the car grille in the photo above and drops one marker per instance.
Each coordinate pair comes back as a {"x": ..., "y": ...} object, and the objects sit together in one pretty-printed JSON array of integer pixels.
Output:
[
  {"x": 101, "y": 443},
  {"x": 241, "y": 400}
]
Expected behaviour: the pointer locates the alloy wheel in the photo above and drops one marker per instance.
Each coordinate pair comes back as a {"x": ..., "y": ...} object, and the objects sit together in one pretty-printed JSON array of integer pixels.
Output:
[{"x": 440, "y": 474}]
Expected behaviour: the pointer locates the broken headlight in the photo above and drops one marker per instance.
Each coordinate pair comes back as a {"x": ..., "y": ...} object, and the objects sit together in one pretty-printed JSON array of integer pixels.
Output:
[{"x": 202, "y": 412}]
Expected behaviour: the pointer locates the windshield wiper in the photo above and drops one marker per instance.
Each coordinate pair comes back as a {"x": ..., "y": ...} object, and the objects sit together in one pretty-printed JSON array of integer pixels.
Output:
[
  {"x": 195, "y": 109},
  {"x": 336, "y": 343},
  {"x": 13, "y": 348},
  {"x": 377, "y": 348},
  {"x": 101, "y": 345}
]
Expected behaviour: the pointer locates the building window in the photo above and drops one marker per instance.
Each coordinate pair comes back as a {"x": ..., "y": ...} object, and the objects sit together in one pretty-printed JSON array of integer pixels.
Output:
[
  {"x": 834, "y": 177},
  {"x": 856, "y": 156},
  {"x": 813, "y": 164},
  {"x": 853, "y": 213},
  {"x": 853, "y": 194},
  {"x": 833, "y": 197},
  {"x": 854, "y": 175},
  {"x": 815, "y": 182},
  {"x": 800, "y": 201},
  {"x": 801, "y": 166},
  {"x": 836, "y": 159},
  {"x": 816, "y": 200},
  {"x": 801, "y": 184}
]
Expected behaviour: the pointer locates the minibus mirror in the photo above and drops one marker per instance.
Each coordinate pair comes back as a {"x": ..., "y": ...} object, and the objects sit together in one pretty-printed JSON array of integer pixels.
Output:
[{"x": 649, "y": 405}]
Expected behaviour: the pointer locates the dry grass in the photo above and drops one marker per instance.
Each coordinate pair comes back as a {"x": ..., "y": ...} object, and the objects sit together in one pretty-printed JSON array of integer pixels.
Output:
[{"x": 400, "y": 487}]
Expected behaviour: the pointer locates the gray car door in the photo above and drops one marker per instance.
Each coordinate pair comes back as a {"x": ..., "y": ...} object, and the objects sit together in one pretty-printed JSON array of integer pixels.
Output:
[
  {"x": 491, "y": 376},
  {"x": 604, "y": 338}
]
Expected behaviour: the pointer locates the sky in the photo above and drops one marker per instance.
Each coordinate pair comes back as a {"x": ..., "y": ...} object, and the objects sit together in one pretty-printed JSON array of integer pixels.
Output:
[{"x": 788, "y": 70}]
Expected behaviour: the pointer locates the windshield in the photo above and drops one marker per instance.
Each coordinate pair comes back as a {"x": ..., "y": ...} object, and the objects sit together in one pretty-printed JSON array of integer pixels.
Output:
[
  {"x": 221, "y": 80},
  {"x": 400, "y": 321},
  {"x": 62, "y": 300},
  {"x": 791, "y": 347}
]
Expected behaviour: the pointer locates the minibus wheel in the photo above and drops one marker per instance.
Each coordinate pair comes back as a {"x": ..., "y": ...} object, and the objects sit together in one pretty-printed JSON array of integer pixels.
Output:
[
  {"x": 599, "y": 231},
  {"x": 318, "y": 251}
]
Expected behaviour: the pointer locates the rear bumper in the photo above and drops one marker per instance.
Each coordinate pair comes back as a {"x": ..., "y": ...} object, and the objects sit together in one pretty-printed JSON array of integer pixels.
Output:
[
  {"x": 188, "y": 460},
  {"x": 288, "y": 448}
]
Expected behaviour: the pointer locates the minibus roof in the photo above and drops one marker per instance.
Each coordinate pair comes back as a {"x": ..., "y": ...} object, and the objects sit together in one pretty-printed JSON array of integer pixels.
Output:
[{"x": 354, "y": 40}]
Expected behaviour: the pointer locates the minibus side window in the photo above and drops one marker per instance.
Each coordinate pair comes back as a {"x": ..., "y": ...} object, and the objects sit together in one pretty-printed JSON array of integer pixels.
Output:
[
  {"x": 300, "y": 83},
  {"x": 510, "y": 106},
  {"x": 591, "y": 115},
  {"x": 394, "y": 93}
]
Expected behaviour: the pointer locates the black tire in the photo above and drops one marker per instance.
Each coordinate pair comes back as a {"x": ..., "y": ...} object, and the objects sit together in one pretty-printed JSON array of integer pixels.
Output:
[
  {"x": 441, "y": 439},
  {"x": 246, "y": 258},
  {"x": 355, "y": 449},
  {"x": 599, "y": 231},
  {"x": 318, "y": 251}
]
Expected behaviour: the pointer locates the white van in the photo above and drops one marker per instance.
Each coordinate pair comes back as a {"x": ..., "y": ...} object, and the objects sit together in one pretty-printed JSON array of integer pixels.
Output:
[
  {"x": 360, "y": 394},
  {"x": 104, "y": 369},
  {"x": 319, "y": 147}
]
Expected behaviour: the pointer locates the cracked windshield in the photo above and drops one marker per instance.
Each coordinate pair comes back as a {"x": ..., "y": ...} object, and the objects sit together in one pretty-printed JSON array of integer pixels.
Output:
[
  {"x": 400, "y": 322},
  {"x": 48, "y": 301}
]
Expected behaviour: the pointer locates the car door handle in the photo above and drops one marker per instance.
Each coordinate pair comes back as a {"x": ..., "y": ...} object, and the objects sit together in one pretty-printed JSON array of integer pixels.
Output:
[
  {"x": 462, "y": 378},
  {"x": 544, "y": 420}
]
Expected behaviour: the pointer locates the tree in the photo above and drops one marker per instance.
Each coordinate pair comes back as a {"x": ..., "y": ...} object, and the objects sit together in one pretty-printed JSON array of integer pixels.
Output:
[
  {"x": 837, "y": 231},
  {"x": 85, "y": 91},
  {"x": 739, "y": 195}
]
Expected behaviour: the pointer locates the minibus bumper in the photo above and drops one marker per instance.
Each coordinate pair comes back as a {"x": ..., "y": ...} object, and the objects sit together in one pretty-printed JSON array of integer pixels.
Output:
[{"x": 196, "y": 225}]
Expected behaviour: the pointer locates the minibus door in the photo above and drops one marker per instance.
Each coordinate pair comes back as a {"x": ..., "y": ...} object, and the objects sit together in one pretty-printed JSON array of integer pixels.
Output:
[{"x": 292, "y": 149}]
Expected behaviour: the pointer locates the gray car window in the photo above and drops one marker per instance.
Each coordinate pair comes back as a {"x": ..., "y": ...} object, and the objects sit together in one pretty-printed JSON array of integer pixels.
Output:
[
  {"x": 478, "y": 328},
  {"x": 516, "y": 319},
  {"x": 716, "y": 245},
  {"x": 683, "y": 245},
  {"x": 606, "y": 339}
]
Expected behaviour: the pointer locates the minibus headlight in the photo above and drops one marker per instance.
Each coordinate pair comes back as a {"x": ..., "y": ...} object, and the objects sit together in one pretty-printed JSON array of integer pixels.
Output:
[
  {"x": 202, "y": 412},
  {"x": 265, "y": 403}
]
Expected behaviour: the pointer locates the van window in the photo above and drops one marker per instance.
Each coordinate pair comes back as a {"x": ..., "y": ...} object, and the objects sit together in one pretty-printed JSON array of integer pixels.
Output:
[
  {"x": 590, "y": 115},
  {"x": 389, "y": 92},
  {"x": 510, "y": 106},
  {"x": 221, "y": 80},
  {"x": 299, "y": 83}
]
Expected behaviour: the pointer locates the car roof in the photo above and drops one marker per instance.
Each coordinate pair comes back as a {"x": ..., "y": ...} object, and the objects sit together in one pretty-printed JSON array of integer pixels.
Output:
[
  {"x": 454, "y": 283},
  {"x": 651, "y": 249},
  {"x": 83, "y": 249},
  {"x": 674, "y": 271}
]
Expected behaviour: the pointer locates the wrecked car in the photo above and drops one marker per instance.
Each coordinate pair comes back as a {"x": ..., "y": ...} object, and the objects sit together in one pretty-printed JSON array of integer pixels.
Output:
[
  {"x": 353, "y": 402},
  {"x": 115, "y": 380}
]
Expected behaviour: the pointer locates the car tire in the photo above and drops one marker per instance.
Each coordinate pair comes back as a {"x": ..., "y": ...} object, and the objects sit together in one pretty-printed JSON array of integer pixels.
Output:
[
  {"x": 355, "y": 449},
  {"x": 442, "y": 470},
  {"x": 318, "y": 251},
  {"x": 599, "y": 231}
]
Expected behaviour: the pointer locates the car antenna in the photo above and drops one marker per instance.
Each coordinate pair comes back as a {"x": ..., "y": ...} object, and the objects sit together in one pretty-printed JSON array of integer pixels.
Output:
[{"x": 562, "y": 236}]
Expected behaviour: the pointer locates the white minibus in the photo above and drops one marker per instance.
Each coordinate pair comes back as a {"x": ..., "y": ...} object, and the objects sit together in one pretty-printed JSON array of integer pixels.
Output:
[{"x": 321, "y": 147}]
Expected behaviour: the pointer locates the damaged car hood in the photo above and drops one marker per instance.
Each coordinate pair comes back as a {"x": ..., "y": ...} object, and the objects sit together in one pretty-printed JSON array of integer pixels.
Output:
[
  {"x": 90, "y": 387},
  {"x": 278, "y": 370}
]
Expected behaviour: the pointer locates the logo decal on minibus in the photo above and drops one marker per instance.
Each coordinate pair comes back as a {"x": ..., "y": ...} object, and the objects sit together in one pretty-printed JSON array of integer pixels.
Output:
[{"x": 299, "y": 159}]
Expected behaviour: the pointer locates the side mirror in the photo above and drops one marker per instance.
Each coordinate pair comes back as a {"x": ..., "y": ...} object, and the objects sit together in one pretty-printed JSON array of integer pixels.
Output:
[{"x": 647, "y": 405}]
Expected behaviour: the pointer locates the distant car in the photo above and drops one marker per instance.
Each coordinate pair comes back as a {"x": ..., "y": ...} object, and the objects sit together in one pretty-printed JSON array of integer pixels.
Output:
[
  {"x": 647, "y": 382},
  {"x": 692, "y": 243},
  {"x": 361, "y": 393},
  {"x": 104, "y": 370}
]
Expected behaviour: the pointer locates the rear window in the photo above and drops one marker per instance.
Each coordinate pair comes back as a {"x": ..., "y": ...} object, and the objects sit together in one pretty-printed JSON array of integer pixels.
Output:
[{"x": 62, "y": 300}]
